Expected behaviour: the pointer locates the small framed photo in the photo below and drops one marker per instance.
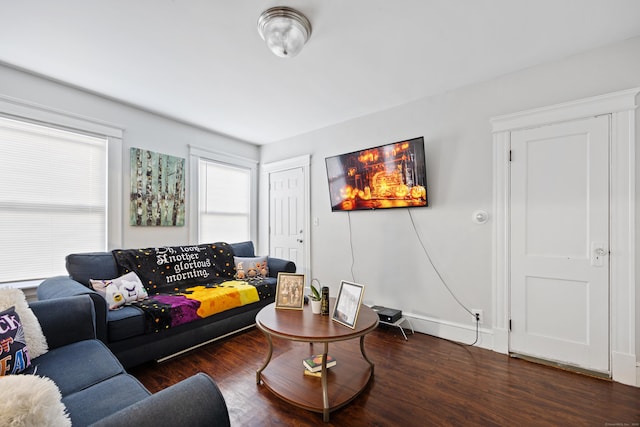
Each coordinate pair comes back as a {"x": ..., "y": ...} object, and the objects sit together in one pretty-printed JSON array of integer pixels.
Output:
[
  {"x": 348, "y": 302},
  {"x": 290, "y": 291}
]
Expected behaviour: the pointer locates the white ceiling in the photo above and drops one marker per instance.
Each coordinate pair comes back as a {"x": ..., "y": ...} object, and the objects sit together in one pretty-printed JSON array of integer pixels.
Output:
[{"x": 203, "y": 62}]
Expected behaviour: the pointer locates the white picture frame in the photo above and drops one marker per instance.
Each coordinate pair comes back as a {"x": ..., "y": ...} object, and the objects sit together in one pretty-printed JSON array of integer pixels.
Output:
[{"x": 348, "y": 302}]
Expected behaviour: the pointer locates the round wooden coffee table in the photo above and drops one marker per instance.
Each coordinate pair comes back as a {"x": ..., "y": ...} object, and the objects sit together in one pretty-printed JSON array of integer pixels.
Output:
[{"x": 284, "y": 375}]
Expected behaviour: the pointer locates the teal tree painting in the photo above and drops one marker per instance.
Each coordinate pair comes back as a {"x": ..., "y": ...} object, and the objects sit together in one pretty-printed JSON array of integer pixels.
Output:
[{"x": 157, "y": 189}]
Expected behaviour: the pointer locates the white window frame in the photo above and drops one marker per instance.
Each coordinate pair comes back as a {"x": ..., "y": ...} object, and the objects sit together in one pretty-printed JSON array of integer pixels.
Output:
[
  {"x": 28, "y": 111},
  {"x": 195, "y": 155}
]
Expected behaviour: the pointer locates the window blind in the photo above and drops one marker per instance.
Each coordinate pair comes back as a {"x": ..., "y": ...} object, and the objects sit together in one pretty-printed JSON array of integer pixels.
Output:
[
  {"x": 224, "y": 202},
  {"x": 52, "y": 198}
]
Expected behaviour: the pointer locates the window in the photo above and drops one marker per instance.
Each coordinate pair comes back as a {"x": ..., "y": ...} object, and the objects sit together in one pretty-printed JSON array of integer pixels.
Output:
[
  {"x": 225, "y": 209},
  {"x": 225, "y": 203},
  {"x": 53, "y": 198}
]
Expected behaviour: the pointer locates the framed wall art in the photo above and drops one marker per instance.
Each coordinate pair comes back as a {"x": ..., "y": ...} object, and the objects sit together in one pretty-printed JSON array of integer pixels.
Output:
[{"x": 157, "y": 189}]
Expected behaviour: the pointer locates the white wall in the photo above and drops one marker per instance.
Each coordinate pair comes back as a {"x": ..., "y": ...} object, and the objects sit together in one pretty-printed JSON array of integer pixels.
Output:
[
  {"x": 457, "y": 131},
  {"x": 388, "y": 257},
  {"x": 141, "y": 130}
]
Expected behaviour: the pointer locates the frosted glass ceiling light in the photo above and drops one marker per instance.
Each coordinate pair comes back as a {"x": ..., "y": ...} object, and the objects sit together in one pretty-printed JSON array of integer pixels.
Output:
[{"x": 285, "y": 30}]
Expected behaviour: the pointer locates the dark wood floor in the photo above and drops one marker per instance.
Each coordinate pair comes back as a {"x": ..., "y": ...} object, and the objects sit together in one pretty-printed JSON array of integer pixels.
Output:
[{"x": 424, "y": 381}]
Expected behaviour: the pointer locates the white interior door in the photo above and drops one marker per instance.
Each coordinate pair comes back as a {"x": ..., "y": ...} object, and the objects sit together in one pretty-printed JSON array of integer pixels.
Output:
[
  {"x": 560, "y": 243},
  {"x": 286, "y": 216}
]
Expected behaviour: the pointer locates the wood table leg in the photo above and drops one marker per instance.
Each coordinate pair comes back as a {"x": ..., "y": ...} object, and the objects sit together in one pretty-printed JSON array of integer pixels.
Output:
[
  {"x": 365, "y": 354},
  {"x": 266, "y": 362},
  {"x": 325, "y": 388}
]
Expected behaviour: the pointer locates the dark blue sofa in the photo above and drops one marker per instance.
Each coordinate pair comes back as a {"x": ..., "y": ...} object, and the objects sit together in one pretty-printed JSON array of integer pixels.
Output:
[
  {"x": 123, "y": 331},
  {"x": 95, "y": 388}
]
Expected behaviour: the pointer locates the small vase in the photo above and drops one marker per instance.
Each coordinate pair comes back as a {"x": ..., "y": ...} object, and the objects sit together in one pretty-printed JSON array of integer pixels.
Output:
[{"x": 315, "y": 306}]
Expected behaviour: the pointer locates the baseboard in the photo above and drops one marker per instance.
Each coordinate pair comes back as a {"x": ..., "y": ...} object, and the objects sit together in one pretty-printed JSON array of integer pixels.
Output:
[
  {"x": 462, "y": 333},
  {"x": 501, "y": 340},
  {"x": 624, "y": 369}
]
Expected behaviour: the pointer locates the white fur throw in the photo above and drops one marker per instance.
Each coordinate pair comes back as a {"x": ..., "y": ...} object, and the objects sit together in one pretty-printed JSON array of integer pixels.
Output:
[
  {"x": 28, "y": 400},
  {"x": 36, "y": 342}
]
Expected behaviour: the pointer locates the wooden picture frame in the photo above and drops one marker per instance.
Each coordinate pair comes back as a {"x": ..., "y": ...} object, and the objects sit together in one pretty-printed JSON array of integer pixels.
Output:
[
  {"x": 290, "y": 291},
  {"x": 347, "y": 306}
]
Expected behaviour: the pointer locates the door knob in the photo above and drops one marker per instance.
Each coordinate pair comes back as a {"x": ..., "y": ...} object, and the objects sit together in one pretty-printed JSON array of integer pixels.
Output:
[
  {"x": 299, "y": 240},
  {"x": 598, "y": 253}
]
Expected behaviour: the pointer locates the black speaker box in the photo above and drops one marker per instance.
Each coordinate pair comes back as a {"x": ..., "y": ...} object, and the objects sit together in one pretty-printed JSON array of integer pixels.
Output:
[{"x": 388, "y": 315}]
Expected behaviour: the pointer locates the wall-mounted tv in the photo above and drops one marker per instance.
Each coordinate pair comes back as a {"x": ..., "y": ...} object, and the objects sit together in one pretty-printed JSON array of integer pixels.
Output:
[{"x": 389, "y": 176}]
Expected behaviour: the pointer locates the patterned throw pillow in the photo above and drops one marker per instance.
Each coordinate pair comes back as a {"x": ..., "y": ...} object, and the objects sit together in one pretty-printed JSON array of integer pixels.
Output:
[
  {"x": 14, "y": 354},
  {"x": 251, "y": 268},
  {"x": 119, "y": 291},
  {"x": 36, "y": 340}
]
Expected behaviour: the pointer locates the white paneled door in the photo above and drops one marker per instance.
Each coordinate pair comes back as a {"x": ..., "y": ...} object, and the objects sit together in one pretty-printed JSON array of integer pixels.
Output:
[
  {"x": 560, "y": 243},
  {"x": 287, "y": 216}
]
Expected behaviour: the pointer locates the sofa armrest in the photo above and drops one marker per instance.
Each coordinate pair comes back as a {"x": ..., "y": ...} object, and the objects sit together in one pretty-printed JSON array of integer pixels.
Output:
[
  {"x": 64, "y": 286},
  {"x": 195, "y": 401},
  {"x": 65, "y": 320},
  {"x": 277, "y": 265}
]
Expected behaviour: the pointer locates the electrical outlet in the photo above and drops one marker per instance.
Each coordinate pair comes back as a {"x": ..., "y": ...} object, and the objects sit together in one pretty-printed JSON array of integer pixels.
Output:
[{"x": 479, "y": 315}]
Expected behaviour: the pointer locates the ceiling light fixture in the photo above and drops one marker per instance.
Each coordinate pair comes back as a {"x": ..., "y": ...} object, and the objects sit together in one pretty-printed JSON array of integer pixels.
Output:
[{"x": 285, "y": 30}]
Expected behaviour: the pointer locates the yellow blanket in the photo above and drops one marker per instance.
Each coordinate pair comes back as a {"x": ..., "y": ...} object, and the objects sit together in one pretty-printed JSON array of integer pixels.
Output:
[{"x": 228, "y": 295}]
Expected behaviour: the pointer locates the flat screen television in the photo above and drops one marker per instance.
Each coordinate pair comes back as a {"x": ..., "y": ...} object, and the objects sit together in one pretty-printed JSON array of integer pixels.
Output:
[{"x": 389, "y": 176}]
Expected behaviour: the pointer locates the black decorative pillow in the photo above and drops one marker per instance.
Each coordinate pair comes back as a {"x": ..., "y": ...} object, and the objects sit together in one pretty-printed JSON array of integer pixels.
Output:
[
  {"x": 249, "y": 268},
  {"x": 36, "y": 341},
  {"x": 14, "y": 354},
  {"x": 171, "y": 267}
]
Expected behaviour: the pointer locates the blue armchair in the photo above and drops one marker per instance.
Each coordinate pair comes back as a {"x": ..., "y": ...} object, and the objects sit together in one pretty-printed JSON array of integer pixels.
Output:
[{"x": 95, "y": 388}]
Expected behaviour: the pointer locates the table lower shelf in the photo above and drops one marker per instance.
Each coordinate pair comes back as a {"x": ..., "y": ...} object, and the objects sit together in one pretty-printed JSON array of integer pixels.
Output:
[{"x": 285, "y": 377}]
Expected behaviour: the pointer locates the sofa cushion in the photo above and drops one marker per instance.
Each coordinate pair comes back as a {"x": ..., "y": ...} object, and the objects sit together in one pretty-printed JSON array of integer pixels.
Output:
[
  {"x": 72, "y": 372},
  {"x": 271, "y": 282},
  {"x": 243, "y": 249},
  {"x": 29, "y": 400},
  {"x": 14, "y": 354},
  {"x": 103, "y": 399},
  {"x": 125, "y": 323},
  {"x": 91, "y": 265}
]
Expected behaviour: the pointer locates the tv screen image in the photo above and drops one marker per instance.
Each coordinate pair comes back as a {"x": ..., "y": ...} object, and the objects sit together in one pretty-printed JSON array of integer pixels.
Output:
[{"x": 389, "y": 176}]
